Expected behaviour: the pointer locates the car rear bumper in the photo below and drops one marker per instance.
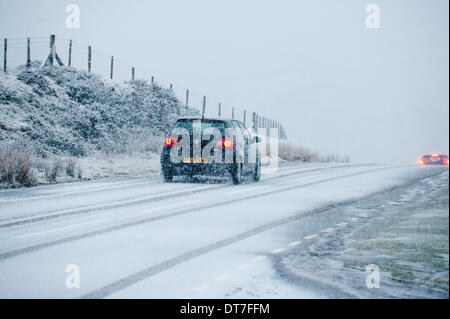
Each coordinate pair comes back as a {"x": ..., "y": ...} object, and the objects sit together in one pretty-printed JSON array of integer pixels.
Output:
[{"x": 216, "y": 169}]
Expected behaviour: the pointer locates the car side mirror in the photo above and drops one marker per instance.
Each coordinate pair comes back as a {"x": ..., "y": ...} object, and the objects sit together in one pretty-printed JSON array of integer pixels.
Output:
[{"x": 256, "y": 139}]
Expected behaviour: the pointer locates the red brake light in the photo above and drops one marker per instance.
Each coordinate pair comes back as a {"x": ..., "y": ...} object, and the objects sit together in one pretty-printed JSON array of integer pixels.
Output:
[
  {"x": 421, "y": 162},
  {"x": 170, "y": 141},
  {"x": 435, "y": 155},
  {"x": 225, "y": 143},
  {"x": 446, "y": 161}
]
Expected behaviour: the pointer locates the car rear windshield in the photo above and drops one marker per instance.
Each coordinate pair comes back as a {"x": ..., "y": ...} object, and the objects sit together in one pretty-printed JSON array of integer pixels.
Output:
[{"x": 188, "y": 124}]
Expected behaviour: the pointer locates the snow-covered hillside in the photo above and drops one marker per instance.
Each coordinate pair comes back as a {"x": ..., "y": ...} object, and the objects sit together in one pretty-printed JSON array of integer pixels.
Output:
[
  {"x": 60, "y": 110},
  {"x": 59, "y": 123}
]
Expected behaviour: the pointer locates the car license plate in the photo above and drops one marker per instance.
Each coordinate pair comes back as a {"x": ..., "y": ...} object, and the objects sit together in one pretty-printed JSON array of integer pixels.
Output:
[{"x": 195, "y": 160}]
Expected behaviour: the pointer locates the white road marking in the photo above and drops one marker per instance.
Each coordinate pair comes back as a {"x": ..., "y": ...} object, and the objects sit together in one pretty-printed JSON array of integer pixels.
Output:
[
  {"x": 310, "y": 236},
  {"x": 363, "y": 215},
  {"x": 259, "y": 258},
  {"x": 223, "y": 276},
  {"x": 354, "y": 219},
  {"x": 92, "y": 222},
  {"x": 295, "y": 243},
  {"x": 343, "y": 224},
  {"x": 327, "y": 230},
  {"x": 243, "y": 267},
  {"x": 202, "y": 288},
  {"x": 155, "y": 209},
  {"x": 278, "y": 250}
]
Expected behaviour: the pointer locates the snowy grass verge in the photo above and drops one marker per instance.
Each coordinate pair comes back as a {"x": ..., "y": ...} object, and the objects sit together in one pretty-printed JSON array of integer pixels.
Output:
[
  {"x": 412, "y": 245},
  {"x": 403, "y": 232},
  {"x": 102, "y": 166},
  {"x": 21, "y": 167}
]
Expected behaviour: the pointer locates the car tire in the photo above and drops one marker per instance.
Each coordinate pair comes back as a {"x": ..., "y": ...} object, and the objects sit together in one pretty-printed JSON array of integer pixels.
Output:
[
  {"x": 168, "y": 175},
  {"x": 189, "y": 178},
  {"x": 237, "y": 174}
]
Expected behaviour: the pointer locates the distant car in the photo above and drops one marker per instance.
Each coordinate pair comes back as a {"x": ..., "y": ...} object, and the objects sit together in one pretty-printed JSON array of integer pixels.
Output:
[
  {"x": 434, "y": 159},
  {"x": 212, "y": 147}
]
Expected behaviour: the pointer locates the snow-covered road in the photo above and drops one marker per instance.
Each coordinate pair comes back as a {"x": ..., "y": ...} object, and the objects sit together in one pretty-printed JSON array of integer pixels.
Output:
[{"x": 141, "y": 238}]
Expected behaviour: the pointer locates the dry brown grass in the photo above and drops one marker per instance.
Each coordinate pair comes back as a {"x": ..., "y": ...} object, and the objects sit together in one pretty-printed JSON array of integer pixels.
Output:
[
  {"x": 20, "y": 167},
  {"x": 289, "y": 152},
  {"x": 54, "y": 168},
  {"x": 16, "y": 165},
  {"x": 295, "y": 153}
]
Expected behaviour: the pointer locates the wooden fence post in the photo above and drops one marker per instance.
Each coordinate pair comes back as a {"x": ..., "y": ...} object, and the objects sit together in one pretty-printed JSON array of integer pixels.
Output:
[
  {"x": 220, "y": 109},
  {"x": 245, "y": 113},
  {"x": 53, "y": 55},
  {"x": 5, "y": 53},
  {"x": 254, "y": 121},
  {"x": 111, "y": 72},
  {"x": 257, "y": 123},
  {"x": 69, "y": 63},
  {"x": 132, "y": 73},
  {"x": 28, "y": 53},
  {"x": 187, "y": 97},
  {"x": 204, "y": 107},
  {"x": 264, "y": 125},
  {"x": 261, "y": 122},
  {"x": 232, "y": 112},
  {"x": 89, "y": 58}
]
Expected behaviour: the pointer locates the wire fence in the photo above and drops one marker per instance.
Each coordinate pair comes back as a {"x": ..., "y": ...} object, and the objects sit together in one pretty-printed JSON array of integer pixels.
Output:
[{"x": 22, "y": 51}]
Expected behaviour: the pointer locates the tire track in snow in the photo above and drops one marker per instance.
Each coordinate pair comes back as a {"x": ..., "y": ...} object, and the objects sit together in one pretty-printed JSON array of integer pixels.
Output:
[
  {"x": 141, "y": 200},
  {"x": 49, "y": 244},
  {"x": 87, "y": 190},
  {"x": 100, "y": 186},
  {"x": 127, "y": 281}
]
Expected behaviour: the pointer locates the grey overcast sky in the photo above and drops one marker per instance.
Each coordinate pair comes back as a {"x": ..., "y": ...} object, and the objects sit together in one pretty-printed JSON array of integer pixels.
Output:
[{"x": 337, "y": 86}]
